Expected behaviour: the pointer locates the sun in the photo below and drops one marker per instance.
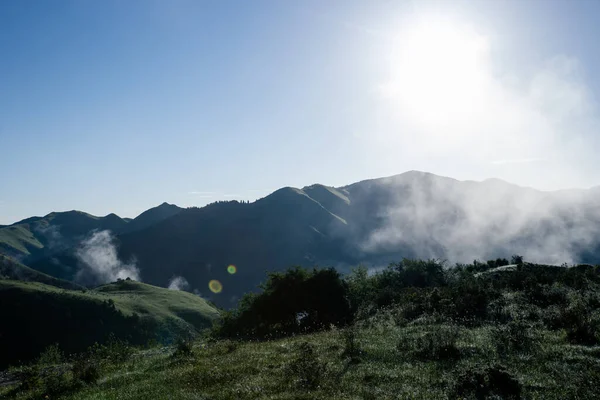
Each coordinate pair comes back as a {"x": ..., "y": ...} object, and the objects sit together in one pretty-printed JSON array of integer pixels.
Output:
[{"x": 438, "y": 70}]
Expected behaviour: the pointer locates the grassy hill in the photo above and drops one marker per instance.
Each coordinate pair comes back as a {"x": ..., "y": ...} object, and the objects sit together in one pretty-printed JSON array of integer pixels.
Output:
[
  {"x": 11, "y": 269},
  {"x": 419, "y": 330},
  {"x": 18, "y": 240},
  {"x": 35, "y": 315}
]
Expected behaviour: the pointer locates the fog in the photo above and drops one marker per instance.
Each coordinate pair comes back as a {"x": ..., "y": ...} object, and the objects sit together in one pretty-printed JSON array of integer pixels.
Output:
[{"x": 99, "y": 261}]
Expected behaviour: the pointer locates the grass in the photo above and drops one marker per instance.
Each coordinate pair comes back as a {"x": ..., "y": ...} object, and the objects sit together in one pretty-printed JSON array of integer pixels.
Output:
[
  {"x": 11, "y": 269},
  {"x": 132, "y": 297},
  {"x": 18, "y": 239},
  {"x": 135, "y": 297},
  {"x": 40, "y": 315},
  {"x": 250, "y": 370}
]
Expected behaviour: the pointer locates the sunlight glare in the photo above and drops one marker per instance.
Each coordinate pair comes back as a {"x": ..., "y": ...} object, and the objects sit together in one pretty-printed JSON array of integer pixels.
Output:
[{"x": 438, "y": 71}]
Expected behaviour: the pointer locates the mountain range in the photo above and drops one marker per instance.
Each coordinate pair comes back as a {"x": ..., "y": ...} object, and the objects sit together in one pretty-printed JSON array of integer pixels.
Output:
[{"x": 372, "y": 222}]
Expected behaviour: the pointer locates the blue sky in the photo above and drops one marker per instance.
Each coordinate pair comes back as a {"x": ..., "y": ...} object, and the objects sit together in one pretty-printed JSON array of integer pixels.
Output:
[{"x": 114, "y": 106}]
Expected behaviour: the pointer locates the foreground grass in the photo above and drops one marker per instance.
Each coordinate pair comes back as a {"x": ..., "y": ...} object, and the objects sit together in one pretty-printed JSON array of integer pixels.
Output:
[{"x": 384, "y": 364}]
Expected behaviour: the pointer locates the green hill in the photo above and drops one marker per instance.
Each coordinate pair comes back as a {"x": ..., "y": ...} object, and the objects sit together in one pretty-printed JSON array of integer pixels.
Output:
[
  {"x": 35, "y": 315},
  {"x": 11, "y": 269},
  {"x": 416, "y": 330}
]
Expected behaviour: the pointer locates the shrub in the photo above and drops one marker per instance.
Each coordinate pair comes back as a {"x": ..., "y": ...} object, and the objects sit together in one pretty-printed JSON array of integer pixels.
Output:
[
  {"x": 46, "y": 381},
  {"x": 351, "y": 346},
  {"x": 491, "y": 382},
  {"x": 515, "y": 336},
  {"x": 307, "y": 368},
  {"x": 294, "y": 301},
  {"x": 115, "y": 351},
  {"x": 86, "y": 369},
  {"x": 52, "y": 355},
  {"x": 184, "y": 348},
  {"x": 31, "y": 378},
  {"x": 581, "y": 324},
  {"x": 436, "y": 345}
]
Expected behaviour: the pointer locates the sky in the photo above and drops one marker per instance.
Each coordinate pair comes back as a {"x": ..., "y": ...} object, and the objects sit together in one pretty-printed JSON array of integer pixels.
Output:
[{"x": 118, "y": 106}]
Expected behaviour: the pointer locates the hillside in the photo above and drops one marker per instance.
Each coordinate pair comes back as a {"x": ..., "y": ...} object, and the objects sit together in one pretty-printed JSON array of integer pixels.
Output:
[
  {"x": 373, "y": 222},
  {"x": 11, "y": 269},
  {"x": 35, "y": 315},
  {"x": 417, "y": 330}
]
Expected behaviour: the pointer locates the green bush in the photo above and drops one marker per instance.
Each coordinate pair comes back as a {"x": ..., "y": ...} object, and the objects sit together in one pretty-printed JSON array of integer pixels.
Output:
[
  {"x": 86, "y": 369},
  {"x": 351, "y": 346},
  {"x": 439, "y": 344},
  {"x": 295, "y": 301},
  {"x": 486, "y": 383},
  {"x": 307, "y": 369},
  {"x": 514, "y": 337},
  {"x": 51, "y": 356},
  {"x": 115, "y": 351},
  {"x": 184, "y": 348}
]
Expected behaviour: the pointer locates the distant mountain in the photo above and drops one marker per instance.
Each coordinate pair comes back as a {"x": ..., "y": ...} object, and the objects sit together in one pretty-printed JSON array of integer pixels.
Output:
[
  {"x": 38, "y": 237},
  {"x": 373, "y": 222},
  {"x": 152, "y": 216}
]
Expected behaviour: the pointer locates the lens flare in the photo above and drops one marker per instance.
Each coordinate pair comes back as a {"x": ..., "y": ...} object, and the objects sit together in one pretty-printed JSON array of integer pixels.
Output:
[
  {"x": 215, "y": 286},
  {"x": 232, "y": 269}
]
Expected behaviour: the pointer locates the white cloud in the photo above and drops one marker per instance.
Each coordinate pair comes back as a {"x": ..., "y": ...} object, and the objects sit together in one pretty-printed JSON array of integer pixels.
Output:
[
  {"x": 100, "y": 262},
  {"x": 178, "y": 283}
]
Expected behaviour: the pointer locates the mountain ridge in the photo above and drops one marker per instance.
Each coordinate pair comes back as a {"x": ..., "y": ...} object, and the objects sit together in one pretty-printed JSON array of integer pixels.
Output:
[{"x": 372, "y": 222}]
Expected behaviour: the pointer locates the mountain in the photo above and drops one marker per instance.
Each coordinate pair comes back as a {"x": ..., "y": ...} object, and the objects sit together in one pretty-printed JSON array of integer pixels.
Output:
[
  {"x": 152, "y": 216},
  {"x": 35, "y": 315},
  {"x": 373, "y": 222},
  {"x": 38, "y": 237}
]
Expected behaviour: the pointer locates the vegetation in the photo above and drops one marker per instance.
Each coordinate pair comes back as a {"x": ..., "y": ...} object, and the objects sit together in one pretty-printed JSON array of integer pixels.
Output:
[
  {"x": 35, "y": 316},
  {"x": 11, "y": 269},
  {"x": 418, "y": 329}
]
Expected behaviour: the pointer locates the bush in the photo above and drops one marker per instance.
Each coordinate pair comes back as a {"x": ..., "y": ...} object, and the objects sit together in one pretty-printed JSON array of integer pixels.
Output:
[
  {"x": 51, "y": 356},
  {"x": 295, "y": 301},
  {"x": 184, "y": 348},
  {"x": 580, "y": 323},
  {"x": 437, "y": 345},
  {"x": 351, "y": 346},
  {"x": 307, "y": 368},
  {"x": 515, "y": 336},
  {"x": 46, "y": 381},
  {"x": 491, "y": 382},
  {"x": 114, "y": 351},
  {"x": 86, "y": 369}
]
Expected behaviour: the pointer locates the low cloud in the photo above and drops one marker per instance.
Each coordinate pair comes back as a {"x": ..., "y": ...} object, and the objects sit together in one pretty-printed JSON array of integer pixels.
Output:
[
  {"x": 100, "y": 262},
  {"x": 437, "y": 217},
  {"x": 54, "y": 239},
  {"x": 178, "y": 283}
]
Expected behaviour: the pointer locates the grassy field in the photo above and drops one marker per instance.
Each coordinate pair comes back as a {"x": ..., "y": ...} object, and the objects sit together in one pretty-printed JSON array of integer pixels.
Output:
[{"x": 383, "y": 361}]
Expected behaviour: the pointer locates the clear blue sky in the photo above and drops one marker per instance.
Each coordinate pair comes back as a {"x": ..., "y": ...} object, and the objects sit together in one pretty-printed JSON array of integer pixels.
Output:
[{"x": 117, "y": 106}]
